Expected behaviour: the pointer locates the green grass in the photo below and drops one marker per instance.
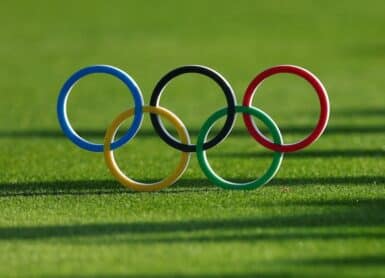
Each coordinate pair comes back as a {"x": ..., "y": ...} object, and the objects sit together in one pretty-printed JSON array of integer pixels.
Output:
[{"x": 63, "y": 214}]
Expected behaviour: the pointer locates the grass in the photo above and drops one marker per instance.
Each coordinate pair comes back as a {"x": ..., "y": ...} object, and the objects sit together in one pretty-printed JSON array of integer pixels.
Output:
[{"x": 63, "y": 214}]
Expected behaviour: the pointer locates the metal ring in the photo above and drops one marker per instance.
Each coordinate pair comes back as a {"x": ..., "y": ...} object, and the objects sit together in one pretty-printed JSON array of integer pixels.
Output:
[
  {"x": 227, "y": 90},
  {"x": 184, "y": 144},
  {"x": 130, "y": 183},
  {"x": 66, "y": 90},
  {"x": 217, "y": 180},
  {"x": 322, "y": 96}
]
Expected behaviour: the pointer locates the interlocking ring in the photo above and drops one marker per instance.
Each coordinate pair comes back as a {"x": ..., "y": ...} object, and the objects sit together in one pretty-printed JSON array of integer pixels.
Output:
[
  {"x": 66, "y": 90},
  {"x": 130, "y": 183},
  {"x": 209, "y": 172},
  {"x": 227, "y": 90},
  {"x": 184, "y": 144},
  {"x": 322, "y": 96}
]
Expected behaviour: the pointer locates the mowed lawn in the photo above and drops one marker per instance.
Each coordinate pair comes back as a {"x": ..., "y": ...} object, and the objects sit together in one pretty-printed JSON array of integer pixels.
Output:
[{"x": 63, "y": 214}]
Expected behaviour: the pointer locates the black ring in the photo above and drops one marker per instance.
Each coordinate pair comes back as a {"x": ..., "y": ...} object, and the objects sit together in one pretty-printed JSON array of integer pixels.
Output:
[{"x": 227, "y": 90}]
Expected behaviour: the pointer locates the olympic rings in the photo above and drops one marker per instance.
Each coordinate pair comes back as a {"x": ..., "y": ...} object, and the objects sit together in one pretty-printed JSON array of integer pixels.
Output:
[
  {"x": 227, "y": 90},
  {"x": 138, "y": 186},
  {"x": 212, "y": 176},
  {"x": 66, "y": 90},
  {"x": 323, "y": 99},
  {"x": 184, "y": 144}
]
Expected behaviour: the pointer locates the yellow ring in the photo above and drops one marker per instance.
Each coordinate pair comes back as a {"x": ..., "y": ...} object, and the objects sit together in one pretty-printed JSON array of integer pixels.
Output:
[{"x": 130, "y": 183}]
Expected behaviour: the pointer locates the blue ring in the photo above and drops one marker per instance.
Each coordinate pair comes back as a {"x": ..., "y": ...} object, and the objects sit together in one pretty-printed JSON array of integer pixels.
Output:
[{"x": 66, "y": 90}]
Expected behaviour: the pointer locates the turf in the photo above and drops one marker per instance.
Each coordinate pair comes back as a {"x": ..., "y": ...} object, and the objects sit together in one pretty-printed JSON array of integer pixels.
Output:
[{"x": 63, "y": 214}]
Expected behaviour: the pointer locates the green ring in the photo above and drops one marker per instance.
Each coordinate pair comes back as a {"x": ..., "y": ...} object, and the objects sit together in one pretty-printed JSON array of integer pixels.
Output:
[{"x": 202, "y": 157}]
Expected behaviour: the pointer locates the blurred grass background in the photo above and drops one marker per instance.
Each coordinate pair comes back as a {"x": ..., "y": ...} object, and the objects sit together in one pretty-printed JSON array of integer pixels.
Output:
[{"x": 63, "y": 214}]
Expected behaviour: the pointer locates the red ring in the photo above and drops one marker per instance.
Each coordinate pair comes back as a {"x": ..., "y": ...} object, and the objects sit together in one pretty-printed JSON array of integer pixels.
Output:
[{"x": 323, "y": 99}]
